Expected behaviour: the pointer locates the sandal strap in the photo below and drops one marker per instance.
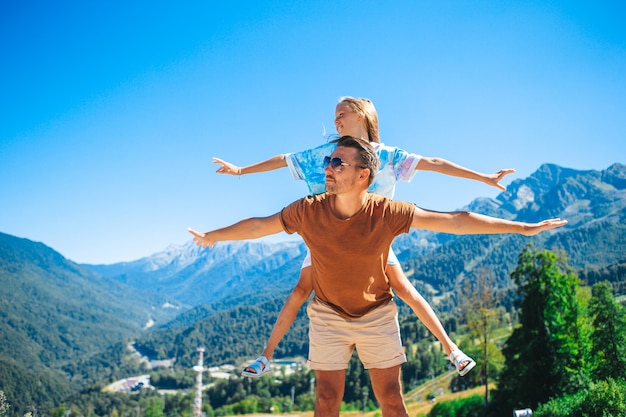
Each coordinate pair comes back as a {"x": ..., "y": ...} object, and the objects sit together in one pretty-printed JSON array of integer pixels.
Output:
[
  {"x": 457, "y": 355},
  {"x": 263, "y": 360},
  {"x": 260, "y": 365}
]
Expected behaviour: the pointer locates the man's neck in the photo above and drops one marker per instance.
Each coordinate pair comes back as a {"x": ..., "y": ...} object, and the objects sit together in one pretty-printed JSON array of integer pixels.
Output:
[{"x": 346, "y": 205}]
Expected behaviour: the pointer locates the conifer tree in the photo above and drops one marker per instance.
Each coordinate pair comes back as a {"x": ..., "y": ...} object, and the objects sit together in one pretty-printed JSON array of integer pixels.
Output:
[
  {"x": 481, "y": 299},
  {"x": 609, "y": 334},
  {"x": 544, "y": 355}
]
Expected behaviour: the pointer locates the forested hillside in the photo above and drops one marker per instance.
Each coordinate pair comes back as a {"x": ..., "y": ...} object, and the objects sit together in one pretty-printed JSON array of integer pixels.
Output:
[
  {"x": 56, "y": 316},
  {"x": 229, "y": 336}
]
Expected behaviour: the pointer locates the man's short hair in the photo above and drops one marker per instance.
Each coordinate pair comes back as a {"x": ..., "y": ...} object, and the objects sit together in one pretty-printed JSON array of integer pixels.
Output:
[{"x": 366, "y": 155}]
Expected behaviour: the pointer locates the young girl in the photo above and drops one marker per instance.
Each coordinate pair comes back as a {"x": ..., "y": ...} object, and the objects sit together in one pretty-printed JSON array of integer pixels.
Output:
[{"x": 357, "y": 117}]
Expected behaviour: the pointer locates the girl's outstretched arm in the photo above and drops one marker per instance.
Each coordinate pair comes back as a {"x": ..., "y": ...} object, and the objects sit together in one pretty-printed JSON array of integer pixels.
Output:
[
  {"x": 450, "y": 168},
  {"x": 270, "y": 164}
]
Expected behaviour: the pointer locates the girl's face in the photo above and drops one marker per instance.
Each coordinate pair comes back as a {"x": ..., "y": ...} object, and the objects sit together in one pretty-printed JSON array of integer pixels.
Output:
[{"x": 347, "y": 122}]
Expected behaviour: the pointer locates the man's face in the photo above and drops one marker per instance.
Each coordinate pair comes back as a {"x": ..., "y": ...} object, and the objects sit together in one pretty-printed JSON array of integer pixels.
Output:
[{"x": 344, "y": 177}]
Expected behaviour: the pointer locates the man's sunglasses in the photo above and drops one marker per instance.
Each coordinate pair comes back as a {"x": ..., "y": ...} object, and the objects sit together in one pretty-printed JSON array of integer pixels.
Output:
[{"x": 337, "y": 164}]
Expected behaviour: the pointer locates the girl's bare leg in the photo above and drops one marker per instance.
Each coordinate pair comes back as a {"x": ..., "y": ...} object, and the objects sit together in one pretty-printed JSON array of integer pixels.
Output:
[
  {"x": 288, "y": 313},
  {"x": 407, "y": 292}
]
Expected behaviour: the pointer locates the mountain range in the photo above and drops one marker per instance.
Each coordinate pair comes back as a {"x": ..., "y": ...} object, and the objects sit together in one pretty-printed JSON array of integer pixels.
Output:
[
  {"x": 191, "y": 276},
  {"x": 66, "y": 325},
  {"x": 593, "y": 202}
]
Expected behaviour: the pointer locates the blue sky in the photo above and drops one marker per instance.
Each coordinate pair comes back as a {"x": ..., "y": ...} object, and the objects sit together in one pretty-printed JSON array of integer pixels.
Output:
[{"x": 110, "y": 112}]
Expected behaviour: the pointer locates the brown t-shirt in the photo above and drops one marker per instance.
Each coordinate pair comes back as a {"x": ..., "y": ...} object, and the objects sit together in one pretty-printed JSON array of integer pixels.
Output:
[{"x": 349, "y": 256}]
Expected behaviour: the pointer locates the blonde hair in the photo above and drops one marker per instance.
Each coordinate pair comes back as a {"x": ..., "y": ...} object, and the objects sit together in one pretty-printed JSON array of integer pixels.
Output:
[{"x": 365, "y": 108}]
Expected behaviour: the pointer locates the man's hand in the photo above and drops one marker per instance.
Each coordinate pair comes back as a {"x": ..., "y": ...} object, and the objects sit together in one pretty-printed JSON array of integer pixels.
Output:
[
  {"x": 202, "y": 239},
  {"x": 252, "y": 228},
  {"x": 536, "y": 228}
]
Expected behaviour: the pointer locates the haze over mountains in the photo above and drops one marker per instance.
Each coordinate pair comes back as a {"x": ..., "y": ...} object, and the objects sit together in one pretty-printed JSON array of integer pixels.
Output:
[{"x": 66, "y": 325}]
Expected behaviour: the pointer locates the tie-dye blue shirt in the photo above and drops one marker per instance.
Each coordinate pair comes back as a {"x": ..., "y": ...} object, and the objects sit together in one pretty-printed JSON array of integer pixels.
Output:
[{"x": 395, "y": 165}]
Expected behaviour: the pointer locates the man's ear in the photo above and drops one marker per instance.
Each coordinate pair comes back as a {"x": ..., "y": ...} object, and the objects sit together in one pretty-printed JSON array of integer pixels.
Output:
[{"x": 364, "y": 174}]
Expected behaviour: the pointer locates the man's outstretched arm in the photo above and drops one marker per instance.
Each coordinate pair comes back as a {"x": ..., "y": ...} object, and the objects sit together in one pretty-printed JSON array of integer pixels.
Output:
[
  {"x": 467, "y": 223},
  {"x": 251, "y": 228}
]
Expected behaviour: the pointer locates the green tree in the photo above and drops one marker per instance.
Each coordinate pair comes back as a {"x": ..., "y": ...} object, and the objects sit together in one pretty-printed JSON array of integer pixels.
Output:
[
  {"x": 545, "y": 355},
  {"x": 601, "y": 398},
  {"x": 155, "y": 407},
  {"x": 4, "y": 404},
  {"x": 463, "y": 407},
  {"x": 480, "y": 312},
  {"x": 609, "y": 334}
]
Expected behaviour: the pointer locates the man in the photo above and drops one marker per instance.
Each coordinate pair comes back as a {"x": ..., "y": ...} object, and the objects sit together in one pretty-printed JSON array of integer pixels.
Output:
[{"x": 349, "y": 232}]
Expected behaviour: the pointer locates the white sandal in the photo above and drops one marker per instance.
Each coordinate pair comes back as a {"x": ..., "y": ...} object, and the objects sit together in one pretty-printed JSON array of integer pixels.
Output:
[
  {"x": 458, "y": 358},
  {"x": 257, "y": 368}
]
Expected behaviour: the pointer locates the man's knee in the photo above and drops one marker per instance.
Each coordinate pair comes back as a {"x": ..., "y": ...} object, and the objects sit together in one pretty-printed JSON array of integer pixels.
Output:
[
  {"x": 327, "y": 403},
  {"x": 388, "y": 389},
  {"x": 327, "y": 394},
  {"x": 392, "y": 403},
  {"x": 390, "y": 392},
  {"x": 393, "y": 398}
]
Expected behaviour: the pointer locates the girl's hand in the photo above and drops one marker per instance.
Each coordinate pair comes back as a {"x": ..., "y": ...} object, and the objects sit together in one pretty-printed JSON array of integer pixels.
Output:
[
  {"x": 227, "y": 167},
  {"x": 494, "y": 179}
]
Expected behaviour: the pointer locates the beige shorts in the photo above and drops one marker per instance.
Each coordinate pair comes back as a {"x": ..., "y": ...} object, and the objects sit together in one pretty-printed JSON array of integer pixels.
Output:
[{"x": 333, "y": 338}]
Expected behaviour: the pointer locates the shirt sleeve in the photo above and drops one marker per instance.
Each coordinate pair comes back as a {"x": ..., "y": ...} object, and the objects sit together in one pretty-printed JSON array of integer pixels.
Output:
[
  {"x": 290, "y": 217},
  {"x": 404, "y": 164},
  {"x": 395, "y": 165},
  {"x": 307, "y": 166},
  {"x": 402, "y": 218}
]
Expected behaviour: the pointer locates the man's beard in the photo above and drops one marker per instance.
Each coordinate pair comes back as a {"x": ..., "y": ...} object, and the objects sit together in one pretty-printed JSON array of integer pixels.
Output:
[
  {"x": 335, "y": 187},
  {"x": 331, "y": 188}
]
